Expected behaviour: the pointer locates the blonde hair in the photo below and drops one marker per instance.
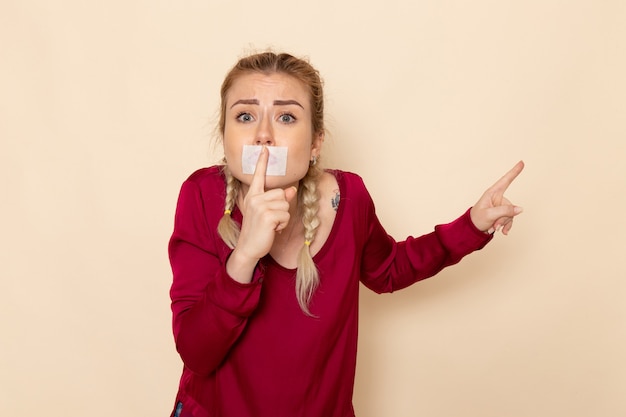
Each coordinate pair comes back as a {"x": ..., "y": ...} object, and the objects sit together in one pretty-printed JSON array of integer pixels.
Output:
[{"x": 307, "y": 275}]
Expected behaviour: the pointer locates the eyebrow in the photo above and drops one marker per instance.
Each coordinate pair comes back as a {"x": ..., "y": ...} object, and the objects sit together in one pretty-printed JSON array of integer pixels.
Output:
[
  {"x": 276, "y": 102},
  {"x": 286, "y": 103}
]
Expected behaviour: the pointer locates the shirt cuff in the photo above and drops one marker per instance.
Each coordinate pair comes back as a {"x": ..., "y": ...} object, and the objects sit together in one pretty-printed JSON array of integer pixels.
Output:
[
  {"x": 463, "y": 234},
  {"x": 240, "y": 299}
]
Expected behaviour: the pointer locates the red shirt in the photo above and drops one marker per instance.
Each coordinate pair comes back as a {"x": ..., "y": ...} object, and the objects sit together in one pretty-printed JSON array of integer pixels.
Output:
[{"x": 248, "y": 350}]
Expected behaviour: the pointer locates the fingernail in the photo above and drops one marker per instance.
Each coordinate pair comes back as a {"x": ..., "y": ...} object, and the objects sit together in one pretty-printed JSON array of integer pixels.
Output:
[
  {"x": 491, "y": 231},
  {"x": 518, "y": 210}
]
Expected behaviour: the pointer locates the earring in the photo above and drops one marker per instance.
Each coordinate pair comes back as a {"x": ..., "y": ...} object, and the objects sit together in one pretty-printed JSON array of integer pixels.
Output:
[{"x": 313, "y": 161}]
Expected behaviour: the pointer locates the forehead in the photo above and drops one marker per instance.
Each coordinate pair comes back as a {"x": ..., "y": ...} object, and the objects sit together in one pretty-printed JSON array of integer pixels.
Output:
[{"x": 274, "y": 86}]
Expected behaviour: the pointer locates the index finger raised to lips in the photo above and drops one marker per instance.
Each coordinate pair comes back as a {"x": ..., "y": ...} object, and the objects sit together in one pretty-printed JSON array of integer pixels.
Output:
[{"x": 258, "y": 179}]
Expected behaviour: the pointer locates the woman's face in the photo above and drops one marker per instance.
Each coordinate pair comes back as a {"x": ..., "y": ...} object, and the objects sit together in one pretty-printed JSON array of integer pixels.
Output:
[{"x": 272, "y": 110}]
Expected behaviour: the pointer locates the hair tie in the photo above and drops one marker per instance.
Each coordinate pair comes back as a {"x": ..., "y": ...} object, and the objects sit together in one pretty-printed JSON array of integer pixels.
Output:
[
  {"x": 227, "y": 212},
  {"x": 307, "y": 242}
]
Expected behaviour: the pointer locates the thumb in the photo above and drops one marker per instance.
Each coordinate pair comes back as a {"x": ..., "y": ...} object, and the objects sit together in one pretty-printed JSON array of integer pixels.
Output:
[
  {"x": 290, "y": 193},
  {"x": 496, "y": 213}
]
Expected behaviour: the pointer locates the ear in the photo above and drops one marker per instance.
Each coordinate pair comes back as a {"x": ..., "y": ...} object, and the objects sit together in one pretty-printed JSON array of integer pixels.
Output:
[{"x": 316, "y": 144}]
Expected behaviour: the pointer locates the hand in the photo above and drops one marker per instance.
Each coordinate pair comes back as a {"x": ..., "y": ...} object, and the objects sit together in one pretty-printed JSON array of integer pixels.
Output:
[
  {"x": 493, "y": 211},
  {"x": 264, "y": 213}
]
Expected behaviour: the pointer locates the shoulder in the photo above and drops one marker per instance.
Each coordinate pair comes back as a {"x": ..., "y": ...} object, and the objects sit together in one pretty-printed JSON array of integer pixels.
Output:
[
  {"x": 205, "y": 176},
  {"x": 207, "y": 185},
  {"x": 208, "y": 180},
  {"x": 202, "y": 195},
  {"x": 349, "y": 179},
  {"x": 349, "y": 183},
  {"x": 351, "y": 194}
]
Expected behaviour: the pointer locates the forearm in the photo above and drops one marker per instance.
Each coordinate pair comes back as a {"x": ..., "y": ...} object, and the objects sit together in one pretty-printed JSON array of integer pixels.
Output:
[
  {"x": 206, "y": 330},
  {"x": 391, "y": 266}
]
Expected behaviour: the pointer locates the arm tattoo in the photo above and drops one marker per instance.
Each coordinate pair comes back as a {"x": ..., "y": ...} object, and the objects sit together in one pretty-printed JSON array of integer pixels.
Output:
[{"x": 335, "y": 200}]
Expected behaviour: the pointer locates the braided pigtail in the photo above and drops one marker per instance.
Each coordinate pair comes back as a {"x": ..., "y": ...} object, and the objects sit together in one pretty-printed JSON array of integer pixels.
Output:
[
  {"x": 307, "y": 276},
  {"x": 227, "y": 228}
]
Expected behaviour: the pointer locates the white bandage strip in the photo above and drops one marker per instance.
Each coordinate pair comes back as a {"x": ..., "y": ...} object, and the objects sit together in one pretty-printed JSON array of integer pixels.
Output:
[{"x": 276, "y": 165}]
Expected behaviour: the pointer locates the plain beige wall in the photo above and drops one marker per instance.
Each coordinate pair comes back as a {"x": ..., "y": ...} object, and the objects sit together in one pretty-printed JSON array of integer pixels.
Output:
[{"x": 105, "y": 108}]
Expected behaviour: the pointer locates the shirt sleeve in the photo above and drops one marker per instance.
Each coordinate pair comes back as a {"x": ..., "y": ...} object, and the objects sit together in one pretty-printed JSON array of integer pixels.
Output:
[
  {"x": 388, "y": 265},
  {"x": 210, "y": 309}
]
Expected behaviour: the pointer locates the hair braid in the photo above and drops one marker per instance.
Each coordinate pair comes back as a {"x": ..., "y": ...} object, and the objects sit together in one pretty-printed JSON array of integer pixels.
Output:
[
  {"x": 227, "y": 228},
  {"x": 307, "y": 276}
]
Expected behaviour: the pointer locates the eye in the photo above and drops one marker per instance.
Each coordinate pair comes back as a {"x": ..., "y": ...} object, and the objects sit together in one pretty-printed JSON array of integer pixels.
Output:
[
  {"x": 244, "y": 117},
  {"x": 287, "y": 118}
]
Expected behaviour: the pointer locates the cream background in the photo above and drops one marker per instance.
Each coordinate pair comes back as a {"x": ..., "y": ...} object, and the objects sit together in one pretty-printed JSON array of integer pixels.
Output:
[{"x": 106, "y": 107}]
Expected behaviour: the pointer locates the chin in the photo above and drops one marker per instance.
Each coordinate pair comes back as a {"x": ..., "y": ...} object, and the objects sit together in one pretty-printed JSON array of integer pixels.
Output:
[{"x": 280, "y": 182}]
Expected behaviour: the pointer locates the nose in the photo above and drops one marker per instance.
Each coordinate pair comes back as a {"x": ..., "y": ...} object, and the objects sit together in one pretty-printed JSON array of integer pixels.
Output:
[{"x": 264, "y": 133}]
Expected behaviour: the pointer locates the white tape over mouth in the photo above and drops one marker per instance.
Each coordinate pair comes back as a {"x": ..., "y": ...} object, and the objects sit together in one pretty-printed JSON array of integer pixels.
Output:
[{"x": 276, "y": 165}]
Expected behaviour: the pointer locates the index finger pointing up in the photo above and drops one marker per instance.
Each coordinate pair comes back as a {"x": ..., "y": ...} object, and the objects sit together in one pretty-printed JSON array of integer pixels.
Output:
[
  {"x": 257, "y": 185},
  {"x": 503, "y": 183}
]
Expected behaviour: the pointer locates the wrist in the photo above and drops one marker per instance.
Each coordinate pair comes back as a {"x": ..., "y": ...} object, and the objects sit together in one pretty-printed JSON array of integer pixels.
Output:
[
  {"x": 480, "y": 226},
  {"x": 241, "y": 267}
]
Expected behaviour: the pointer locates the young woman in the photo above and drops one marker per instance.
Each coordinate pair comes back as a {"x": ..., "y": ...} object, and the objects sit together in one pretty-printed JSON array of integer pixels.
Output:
[{"x": 267, "y": 262}]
